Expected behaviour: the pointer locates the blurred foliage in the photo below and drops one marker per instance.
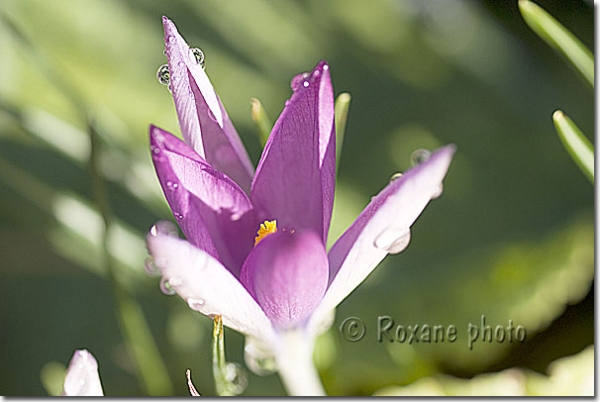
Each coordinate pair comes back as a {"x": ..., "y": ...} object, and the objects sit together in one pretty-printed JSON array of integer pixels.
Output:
[
  {"x": 569, "y": 376},
  {"x": 557, "y": 36},
  {"x": 510, "y": 239}
]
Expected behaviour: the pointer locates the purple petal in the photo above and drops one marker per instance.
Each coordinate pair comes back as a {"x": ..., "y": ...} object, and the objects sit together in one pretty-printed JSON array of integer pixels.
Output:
[
  {"x": 213, "y": 212},
  {"x": 287, "y": 274},
  {"x": 207, "y": 286},
  {"x": 204, "y": 122},
  {"x": 295, "y": 178},
  {"x": 82, "y": 376},
  {"x": 382, "y": 227}
]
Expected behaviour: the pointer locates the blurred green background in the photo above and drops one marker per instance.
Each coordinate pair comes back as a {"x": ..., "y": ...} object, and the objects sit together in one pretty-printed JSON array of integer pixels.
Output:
[{"x": 512, "y": 237}]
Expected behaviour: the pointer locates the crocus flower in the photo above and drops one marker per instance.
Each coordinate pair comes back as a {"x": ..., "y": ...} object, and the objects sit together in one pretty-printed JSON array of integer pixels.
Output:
[
  {"x": 255, "y": 250},
  {"x": 82, "y": 376}
]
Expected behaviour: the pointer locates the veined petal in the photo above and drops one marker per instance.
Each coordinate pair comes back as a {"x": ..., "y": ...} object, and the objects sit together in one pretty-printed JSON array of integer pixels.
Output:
[
  {"x": 82, "y": 376},
  {"x": 212, "y": 211},
  {"x": 207, "y": 286},
  {"x": 205, "y": 125},
  {"x": 287, "y": 274},
  {"x": 295, "y": 178},
  {"x": 382, "y": 227}
]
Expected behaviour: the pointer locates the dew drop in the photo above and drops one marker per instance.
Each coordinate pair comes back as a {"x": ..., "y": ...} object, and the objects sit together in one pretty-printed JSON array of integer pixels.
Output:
[
  {"x": 212, "y": 116},
  {"x": 197, "y": 56},
  {"x": 420, "y": 156},
  {"x": 438, "y": 191},
  {"x": 236, "y": 377},
  {"x": 166, "y": 287},
  {"x": 195, "y": 304},
  {"x": 163, "y": 75},
  {"x": 299, "y": 81},
  {"x": 151, "y": 267},
  {"x": 259, "y": 361},
  {"x": 172, "y": 185},
  {"x": 395, "y": 176},
  {"x": 393, "y": 240},
  {"x": 305, "y": 84},
  {"x": 164, "y": 228},
  {"x": 178, "y": 215},
  {"x": 171, "y": 39}
]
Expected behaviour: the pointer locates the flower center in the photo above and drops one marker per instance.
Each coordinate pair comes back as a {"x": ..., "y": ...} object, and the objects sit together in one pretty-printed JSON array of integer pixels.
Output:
[{"x": 266, "y": 228}]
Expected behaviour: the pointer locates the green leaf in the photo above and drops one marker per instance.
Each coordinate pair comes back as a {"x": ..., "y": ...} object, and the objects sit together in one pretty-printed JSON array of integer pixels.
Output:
[
  {"x": 557, "y": 36},
  {"x": 262, "y": 121},
  {"x": 342, "y": 104},
  {"x": 568, "y": 376},
  {"x": 580, "y": 148}
]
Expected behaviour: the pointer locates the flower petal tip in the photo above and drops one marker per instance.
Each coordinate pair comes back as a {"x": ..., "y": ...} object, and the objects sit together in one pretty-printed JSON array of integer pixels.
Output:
[
  {"x": 312, "y": 77},
  {"x": 82, "y": 377}
]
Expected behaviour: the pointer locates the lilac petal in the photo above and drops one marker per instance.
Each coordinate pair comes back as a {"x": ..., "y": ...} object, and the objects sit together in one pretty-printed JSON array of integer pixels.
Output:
[
  {"x": 382, "y": 227},
  {"x": 287, "y": 274},
  {"x": 212, "y": 211},
  {"x": 207, "y": 286},
  {"x": 82, "y": 376},
  {"x": 204, "y": 122},
  {"x": 295, "y": 178}
]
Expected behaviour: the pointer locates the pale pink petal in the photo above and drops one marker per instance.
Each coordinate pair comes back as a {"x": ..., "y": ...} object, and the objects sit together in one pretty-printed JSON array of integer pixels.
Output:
[
  {"x": 383, "y": 227},
  {"x": 207, "y": 286},
  {"x": 82, "y": 376}
]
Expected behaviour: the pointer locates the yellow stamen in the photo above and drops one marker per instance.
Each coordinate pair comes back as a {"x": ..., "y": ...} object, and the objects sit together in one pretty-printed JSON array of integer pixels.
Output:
[{"x": 266, "y": 228}]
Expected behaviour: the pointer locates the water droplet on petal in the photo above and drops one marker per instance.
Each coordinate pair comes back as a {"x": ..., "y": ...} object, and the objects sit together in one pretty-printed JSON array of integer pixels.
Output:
[
  {"x": 395, "y": 176},
  {"x": 150, "y": 267},
  {"x": 197, "y": 56},
  {"x": 195, "y": 304},
  {"x": 163, "y": 75},
  {"x": 164, "y": 228},
  {"x": 393, "y": 240},
  {"x": 259, "y": 361},
  {"x": 438, "y": 191},
  {"x": 166, "y": 287},
  {"x": 171, "y": 39},
  {"x": 420, "y": 156},
  {"x": 172, "y": 185},
  {"x": 212, "y": 116},
  {"x": 299, "y": 81},
  {"x": 177, "y": 215}
]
